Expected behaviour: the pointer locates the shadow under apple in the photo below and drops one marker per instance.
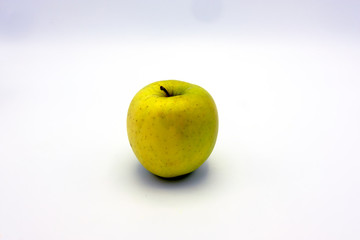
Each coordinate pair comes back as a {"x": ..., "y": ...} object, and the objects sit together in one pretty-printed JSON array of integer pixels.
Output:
[{"x": 189, "y": 180}]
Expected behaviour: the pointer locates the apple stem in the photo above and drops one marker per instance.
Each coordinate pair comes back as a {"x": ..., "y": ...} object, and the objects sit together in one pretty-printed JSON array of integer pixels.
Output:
[{"x": 164, "y": 89}]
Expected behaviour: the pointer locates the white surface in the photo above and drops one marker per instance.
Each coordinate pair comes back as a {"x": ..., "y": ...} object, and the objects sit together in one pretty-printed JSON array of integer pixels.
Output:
[
  {"x": 285, "y": 165},
  {"x": 286, "y": 80}
]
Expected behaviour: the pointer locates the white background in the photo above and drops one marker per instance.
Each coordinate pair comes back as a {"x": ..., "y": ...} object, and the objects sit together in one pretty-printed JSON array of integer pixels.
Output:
[{"x": 284, "y": 76}]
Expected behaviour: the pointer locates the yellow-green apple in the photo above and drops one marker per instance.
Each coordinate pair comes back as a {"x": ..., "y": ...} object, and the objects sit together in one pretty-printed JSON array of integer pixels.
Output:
[{"x": 172, "y": 127}]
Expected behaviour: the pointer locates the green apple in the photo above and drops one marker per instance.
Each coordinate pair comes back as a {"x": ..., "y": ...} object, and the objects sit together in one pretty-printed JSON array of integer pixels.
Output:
[{"x": 172, "y": 127}]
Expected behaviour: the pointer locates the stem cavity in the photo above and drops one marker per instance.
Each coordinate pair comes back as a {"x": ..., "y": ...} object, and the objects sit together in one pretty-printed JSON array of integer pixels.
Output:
[{"x": 164, "y": 89}]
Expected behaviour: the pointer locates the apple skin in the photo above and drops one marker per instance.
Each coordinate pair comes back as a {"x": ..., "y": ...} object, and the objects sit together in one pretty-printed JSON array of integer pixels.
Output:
[{"x": 172, "y": 135}]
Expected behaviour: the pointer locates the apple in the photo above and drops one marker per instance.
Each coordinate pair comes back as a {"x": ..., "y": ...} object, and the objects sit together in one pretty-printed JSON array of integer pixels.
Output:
[{"x": 172, "y": 127}]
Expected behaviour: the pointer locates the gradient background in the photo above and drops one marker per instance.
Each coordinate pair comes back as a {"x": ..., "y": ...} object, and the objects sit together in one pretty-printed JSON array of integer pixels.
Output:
[
  {"x": 284, "y": 75},
  {"x": 109, "y": 19}
]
